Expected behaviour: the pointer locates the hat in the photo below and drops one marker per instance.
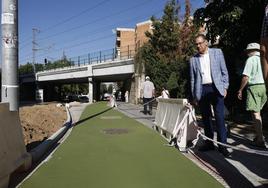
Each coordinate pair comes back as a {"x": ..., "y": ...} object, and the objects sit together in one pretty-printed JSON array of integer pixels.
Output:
[
  {"x": 147, "y": 78},
  {"x": 253, "y": 46}
]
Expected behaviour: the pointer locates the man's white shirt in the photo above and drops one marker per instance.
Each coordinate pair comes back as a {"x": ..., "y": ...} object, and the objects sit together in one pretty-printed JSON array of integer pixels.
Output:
[
  {"x": 205, "y": 68},
  {"x": 148, "y": 88}
]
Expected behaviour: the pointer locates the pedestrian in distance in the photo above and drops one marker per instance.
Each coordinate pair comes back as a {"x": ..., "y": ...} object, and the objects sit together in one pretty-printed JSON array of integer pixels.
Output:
[
  {"x": 126, "y": 96},
  {"x": 164, "y": 93},
  {"x": 148, "y": 93},
  {"x": 252, "y": 77},
  {"x": 209, "y": 83}
]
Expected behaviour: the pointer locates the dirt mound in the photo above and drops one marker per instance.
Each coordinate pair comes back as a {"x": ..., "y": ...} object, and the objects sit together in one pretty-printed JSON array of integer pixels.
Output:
[{"x": 40, "y": 121}]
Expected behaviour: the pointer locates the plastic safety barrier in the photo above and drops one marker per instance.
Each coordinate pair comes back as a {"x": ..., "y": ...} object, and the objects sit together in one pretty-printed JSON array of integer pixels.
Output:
[{"x": 174, "y": 122}]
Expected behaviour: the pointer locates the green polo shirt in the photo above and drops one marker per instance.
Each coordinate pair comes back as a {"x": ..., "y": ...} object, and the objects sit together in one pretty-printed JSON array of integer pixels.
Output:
[{"x": 253, "y": 69}]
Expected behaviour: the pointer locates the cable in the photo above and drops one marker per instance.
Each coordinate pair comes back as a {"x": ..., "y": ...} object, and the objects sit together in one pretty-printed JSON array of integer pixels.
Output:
[
  {"x": 74, "y": 16},
  {"x": 91, "y": 40},
  {"x": 77, "y": 15},
  {"x": 94, "y": 21},
  {"x": 102, "y": 28},
  {"x": 75, "y": 45}
]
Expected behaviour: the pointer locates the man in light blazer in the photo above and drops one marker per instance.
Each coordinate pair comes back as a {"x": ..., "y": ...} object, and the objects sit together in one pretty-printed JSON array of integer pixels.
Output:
[{"x": 209, "y": 84}]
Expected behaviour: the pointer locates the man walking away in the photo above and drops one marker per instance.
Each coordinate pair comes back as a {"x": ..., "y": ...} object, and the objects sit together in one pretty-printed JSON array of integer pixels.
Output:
[
  {"x": 256, "y": 91},
  {"x": 148, "y": 91}
]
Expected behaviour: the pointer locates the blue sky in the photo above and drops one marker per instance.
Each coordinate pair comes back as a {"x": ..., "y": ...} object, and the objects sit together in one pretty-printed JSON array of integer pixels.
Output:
[{"x": 79, "y": 27}]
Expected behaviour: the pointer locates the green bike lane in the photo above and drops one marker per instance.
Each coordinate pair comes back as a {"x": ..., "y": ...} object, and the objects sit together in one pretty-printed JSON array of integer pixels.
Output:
[{"x": 107, "y": 149}]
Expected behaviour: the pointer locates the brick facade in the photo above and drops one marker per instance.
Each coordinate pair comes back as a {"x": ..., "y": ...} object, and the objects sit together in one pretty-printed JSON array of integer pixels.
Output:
[{"x": 128, "y": 40}]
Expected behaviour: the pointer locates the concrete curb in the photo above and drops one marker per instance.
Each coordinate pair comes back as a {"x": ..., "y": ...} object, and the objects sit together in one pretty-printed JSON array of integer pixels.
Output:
[{"x": 38, "y": 152}]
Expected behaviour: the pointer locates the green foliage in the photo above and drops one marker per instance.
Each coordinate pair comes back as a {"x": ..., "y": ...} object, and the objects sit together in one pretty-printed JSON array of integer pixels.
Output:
[
  {"x": 165, "y": 57},
  {"x": 26, "y": 69},
  {"x": 57, "y": 64},
  {"x": 237, "y": 22},
  {"x": 164, "y": 39},
  {"x": 172, "y": 85}
]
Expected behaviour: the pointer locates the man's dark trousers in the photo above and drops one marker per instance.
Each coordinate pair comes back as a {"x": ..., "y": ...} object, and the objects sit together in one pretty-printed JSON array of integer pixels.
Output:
[
  {"x": 211, "y": 96},
  {"x": 145, "y": 104}
]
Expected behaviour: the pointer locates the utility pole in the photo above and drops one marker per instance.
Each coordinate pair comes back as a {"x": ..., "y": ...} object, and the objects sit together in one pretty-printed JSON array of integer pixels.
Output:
[
  {"x": 34, "y": 48},
  {"x": 9, "y": 23}
]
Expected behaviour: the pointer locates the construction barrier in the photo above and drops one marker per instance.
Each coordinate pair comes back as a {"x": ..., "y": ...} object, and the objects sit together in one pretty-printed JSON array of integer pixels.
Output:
[
  {"x": 174, "y": 122},
  {"x": 13, "y": 153},
  {"x": 112, "y": 101}
]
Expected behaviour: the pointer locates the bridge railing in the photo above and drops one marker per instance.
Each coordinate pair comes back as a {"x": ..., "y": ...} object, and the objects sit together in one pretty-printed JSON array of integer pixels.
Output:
[
  {"x": 104, "y": 56},
  {"x": 124, "y": 52}
]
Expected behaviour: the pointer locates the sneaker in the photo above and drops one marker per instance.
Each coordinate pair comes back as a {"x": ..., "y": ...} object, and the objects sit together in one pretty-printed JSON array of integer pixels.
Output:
[
  {"x": 224, "y": 152},
  {"x": 206, "y": 147}
]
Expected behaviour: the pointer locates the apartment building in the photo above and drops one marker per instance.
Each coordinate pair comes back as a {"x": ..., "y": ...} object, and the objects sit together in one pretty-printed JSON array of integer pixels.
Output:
[
  {"x": 128, "y": 40},
  {"x": 141, "y": 28},
  {"x": 125, "y": 42}
]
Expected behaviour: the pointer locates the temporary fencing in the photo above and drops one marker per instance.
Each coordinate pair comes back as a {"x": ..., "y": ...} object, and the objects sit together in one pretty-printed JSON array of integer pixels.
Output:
[
  {"x": 112, "y": 102},
  {"x": 174, "y": 122}
]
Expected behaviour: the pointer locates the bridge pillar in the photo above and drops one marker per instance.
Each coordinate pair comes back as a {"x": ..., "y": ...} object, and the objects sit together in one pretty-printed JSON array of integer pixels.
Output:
[
  {"x": 90, "y": 90},
  {"x": 135, "y": 94}
]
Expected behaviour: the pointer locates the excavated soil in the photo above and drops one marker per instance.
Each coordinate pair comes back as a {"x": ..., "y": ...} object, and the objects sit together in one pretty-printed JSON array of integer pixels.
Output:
[{"x": 40, "y": 121}]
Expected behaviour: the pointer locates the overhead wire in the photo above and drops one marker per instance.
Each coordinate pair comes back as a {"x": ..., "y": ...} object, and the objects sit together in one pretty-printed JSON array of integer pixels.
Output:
[
  {"x": 84, "y": 42},
  {"x": 73, "y": 16},
  {"x": 91, "y": 22},
  {"x": 91, "y": 40}
]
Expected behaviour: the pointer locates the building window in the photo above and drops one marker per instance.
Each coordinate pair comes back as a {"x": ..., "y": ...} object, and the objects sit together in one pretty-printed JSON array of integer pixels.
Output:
[
  {"x": 118, "y": 43},
  {"x": 118, "y": 33}
]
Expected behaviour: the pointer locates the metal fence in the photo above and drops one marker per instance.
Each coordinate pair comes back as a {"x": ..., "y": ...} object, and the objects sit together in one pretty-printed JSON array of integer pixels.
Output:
[{"x": 103, "y": 56}]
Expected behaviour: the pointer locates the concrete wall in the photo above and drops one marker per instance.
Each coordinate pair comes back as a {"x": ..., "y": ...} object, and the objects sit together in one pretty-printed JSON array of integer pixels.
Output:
[
  {"x": 12, "y": 148},
  {"x": 135, "y": 91}
]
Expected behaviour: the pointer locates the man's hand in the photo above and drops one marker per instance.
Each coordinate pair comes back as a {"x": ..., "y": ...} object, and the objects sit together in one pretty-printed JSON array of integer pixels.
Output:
[
  {"x": 239, "y": 94},
  {"x": 225, "y": 93},
  {"x": 194, "y": 103}
]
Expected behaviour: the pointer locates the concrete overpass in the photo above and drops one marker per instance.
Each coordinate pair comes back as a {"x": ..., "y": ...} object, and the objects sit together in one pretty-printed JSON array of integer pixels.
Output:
[
  {"x": 93, "y": 74},
  {"x": 116, "y": 70}
]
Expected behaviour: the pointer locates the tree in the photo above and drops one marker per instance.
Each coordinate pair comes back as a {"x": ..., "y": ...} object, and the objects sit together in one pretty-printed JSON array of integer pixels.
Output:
[
  {"x": 172, "y": 85},
  {"x": 238, "y": 23},
  {"x": 26, "y": 69},
  {"x": 168, "y": 50}
]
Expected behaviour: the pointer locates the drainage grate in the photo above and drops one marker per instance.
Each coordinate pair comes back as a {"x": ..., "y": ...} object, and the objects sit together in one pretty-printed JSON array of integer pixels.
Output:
[{"x": 113, "y": 131}]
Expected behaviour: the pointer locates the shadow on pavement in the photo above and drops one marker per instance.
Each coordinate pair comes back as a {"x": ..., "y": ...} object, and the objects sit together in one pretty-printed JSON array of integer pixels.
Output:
[
  {"x": 235, "y": 170},
  {"x": 255, "y": 163},
  {"x": 92, "y": 116},
  {"x": 17, "y": 177},
  {"x": 220, "y": 166}
]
